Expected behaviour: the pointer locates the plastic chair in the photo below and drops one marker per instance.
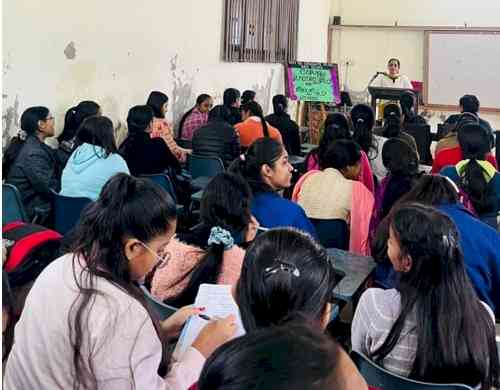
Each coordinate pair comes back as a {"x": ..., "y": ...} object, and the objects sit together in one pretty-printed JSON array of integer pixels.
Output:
[
  {"x": 67, "y": 211},
  {"x": 12, "y": 205},
  {"x": 163, "y": 310},
  {"x": 332, "y": 233},
  {"x": 423, "y": 139},
  {"x": 203, "y": 169},
  {"x": 164, "y": 182},
  {"x": 379, "y": 377}
]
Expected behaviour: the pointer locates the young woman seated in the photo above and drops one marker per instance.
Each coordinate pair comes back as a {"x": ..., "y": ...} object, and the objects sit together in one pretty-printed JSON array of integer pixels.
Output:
[
  {"x": 195, "y": 117},
  {"x": 335, "y": 193},
  {"x": 266, "y": 169},
  {"x": 209, "y": 253},
  {"x": 86, "y": 322},
  {"x": 254, "y": 126},
  {"x": 432, "y": 327},
  {"x": 94, "y": 161}
]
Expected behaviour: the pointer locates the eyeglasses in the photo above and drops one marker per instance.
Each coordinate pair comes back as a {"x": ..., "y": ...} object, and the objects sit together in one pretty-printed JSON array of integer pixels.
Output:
[
  {"x": 162, "y": 261},
  {"x": 284, "y": 267}
]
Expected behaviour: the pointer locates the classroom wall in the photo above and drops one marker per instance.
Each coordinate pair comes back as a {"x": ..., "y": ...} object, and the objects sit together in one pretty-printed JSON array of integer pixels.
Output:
[
  {"x": 364, "y": 51},
  {"x": 115, "y": 52}
]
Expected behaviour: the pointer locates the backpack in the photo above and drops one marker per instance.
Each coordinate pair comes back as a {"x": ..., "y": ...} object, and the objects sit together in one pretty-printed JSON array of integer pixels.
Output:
[{"x": 29, "y": 249}]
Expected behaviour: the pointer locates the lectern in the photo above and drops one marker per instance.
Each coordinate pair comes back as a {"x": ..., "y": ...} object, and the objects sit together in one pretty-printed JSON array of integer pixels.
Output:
[{"x": 390, "y": 94}]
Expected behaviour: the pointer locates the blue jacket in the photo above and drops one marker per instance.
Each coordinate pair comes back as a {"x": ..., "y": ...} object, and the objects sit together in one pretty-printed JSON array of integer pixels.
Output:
[
  {"x": 481, "y": 248},
  {"x": 271, "y": 210},
  {"x": 88, "y": 169}
]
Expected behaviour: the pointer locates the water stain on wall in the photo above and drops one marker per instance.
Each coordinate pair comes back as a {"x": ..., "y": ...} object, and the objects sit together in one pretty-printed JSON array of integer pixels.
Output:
[
  {"x": 70, "y": 51},
  {"x": 263, "y": 92},
  {"x": 181, "y": 99},
  {"x": 10, "y": 121}
]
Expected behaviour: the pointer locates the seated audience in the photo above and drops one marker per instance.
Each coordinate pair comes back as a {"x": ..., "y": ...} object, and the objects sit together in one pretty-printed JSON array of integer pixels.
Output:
[
  {"x": 363, "y": 120},
  {"x": 470, "y": 104},
  {"x": 285, "y": 276},
  {"x": 476, "y": 177},
  {"x": 30, "y": 164},
  {"x": 232, "y": 101},
  {"x": 247, "y": 96},
  {"x": 407, "y": 102},
  {"x": 72, "y": 120},
  {"x": 217, "y": 138},
  {"x": 254, "y": 126},
  {"x": 160, "y": 128},
  {"x": 335, "y": 193},
  {"x": 196, "y": 117},
  {"x": 266, "y": 168},
  {"x": 209, "y": 253},
  {"x": 288, "y": 128},
  {"x": 97, "y": 330},
  {"x": 239, "y": 363},
  {"x": 94, "y": 161},
  {"x": 145, "y": 155},
  {"x": 432, "y": 327},
  {"x": 479, "y": 242},
  {"x": 449, "y": 139}
]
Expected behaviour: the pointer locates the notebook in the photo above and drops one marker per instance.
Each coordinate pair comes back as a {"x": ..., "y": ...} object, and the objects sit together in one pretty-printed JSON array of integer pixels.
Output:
[{"x": 218, "y": 303}]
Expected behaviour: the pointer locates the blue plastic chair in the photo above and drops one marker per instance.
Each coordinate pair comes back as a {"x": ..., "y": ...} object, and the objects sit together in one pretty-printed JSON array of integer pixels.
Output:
[
  {"x": 67, "y": 211},
  {"x": 379, "y": 377},
  {"x": 202, "y": 170},
  {"x": 332, "y": 233},
  {"x": 164, "y": 182},
  {"x": 12, "y": 205},
  {"x": 163, "y": 310}
]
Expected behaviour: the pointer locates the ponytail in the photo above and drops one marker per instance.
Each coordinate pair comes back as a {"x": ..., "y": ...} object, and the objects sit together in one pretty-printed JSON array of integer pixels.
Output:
[
  {"x": 473, "y": 182},
  {"x": 138, "y": 120},
  {"x": 363, "y": 120},
  {"x": 255, "y": 109},
  {"x": 74, "y": 118},
  {"x": 392, "y": 119}
]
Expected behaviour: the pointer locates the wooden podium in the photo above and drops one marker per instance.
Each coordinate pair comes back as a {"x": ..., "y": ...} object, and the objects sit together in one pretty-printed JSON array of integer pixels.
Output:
[{"x": 378, "y": 93}]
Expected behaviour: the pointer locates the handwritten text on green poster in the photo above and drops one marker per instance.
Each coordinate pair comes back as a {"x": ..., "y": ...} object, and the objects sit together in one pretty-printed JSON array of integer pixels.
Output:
[{"x": 313, "y": 84}]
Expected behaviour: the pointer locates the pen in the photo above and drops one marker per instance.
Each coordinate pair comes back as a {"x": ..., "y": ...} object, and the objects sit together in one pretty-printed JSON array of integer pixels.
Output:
[{"x": 204, "y": 316}]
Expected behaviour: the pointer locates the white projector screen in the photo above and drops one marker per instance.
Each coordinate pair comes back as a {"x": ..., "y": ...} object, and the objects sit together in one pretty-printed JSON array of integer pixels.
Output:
[{"x": 460, "y": 63}]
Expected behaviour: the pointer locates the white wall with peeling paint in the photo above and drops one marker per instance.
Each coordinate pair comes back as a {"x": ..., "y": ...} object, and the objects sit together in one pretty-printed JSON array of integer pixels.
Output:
[{"x": 125, "y": 49}]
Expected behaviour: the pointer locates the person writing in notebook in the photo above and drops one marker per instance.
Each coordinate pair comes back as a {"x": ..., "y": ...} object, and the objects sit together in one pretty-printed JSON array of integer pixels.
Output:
[{"x": 392, "y": 79}]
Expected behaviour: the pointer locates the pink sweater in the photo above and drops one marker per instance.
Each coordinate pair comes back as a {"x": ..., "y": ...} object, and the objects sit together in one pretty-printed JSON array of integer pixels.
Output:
[
  {"x": 121, "y": 336},
  {"x": 161, "y": 129},
  {"x": 172, "y": 279}
]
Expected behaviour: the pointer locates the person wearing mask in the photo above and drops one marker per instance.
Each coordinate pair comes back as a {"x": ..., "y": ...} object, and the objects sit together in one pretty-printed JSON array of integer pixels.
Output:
[
  {"x": 432, "y": 327},
  {"x": 31, "y": 165},
  {"x": 94, "y": 161},
  {"x": 196, "y": 117},
  {"x": 288, "y": 128},
  {"x": 160, "y": 128},
  {"x": 266, "y": 169},
  {"x": 217, "y": 138},
  {"x": 254, "y": 126},
  {"x": 98, "y": 331},
  {"x": 232, "y": 101}
]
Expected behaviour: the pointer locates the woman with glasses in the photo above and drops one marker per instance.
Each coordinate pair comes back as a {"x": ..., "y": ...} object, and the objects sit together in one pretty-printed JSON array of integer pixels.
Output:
[
  {"x": 195, "y": 117},
  {"x": 86, "y": 323},
  {"x": 31, "y": 165}
]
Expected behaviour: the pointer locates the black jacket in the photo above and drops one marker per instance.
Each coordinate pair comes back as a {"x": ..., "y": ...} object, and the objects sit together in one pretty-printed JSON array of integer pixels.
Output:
[
  {"x": 289, "y": 132},
  {"x": 217, "y": 139},
  {"x": 148, "y": 156},
  {"x": 34, "y": 172}
]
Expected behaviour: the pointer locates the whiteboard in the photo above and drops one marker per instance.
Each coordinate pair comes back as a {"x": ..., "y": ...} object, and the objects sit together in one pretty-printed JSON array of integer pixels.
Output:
[{"x": 460, "y": 63}]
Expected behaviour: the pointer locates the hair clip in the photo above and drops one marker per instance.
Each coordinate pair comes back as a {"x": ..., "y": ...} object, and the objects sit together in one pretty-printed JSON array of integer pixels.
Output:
[
  {"x": 242, "y": 157},
  {"x": 282, "y": 266}
]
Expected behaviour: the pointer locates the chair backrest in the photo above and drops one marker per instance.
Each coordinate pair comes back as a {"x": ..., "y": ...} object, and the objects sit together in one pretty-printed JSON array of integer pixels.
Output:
[
  {"x": 12, "y": 205},
  {"x": 332, "y": 233},
  {"x": 205, "y": 166},
  {"x": 67, "y": 211},
  {"x": 164, "y": 182},
  {"x": 163, "y": 310},
  {"x": 423, "y": 139},
  {"x": 379, "y": 377}
]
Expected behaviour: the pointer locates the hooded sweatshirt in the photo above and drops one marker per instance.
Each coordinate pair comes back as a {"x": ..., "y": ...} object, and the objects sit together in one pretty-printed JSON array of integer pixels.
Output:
[{"x": 88, "y": 169}]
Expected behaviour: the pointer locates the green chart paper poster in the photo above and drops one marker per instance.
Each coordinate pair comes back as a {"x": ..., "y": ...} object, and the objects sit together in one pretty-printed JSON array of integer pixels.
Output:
[{"x": 313, "y": 83}]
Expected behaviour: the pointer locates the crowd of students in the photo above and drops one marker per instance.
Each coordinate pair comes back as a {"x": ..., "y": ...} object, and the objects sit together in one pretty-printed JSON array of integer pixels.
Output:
[{"x": 431, "y": 315}]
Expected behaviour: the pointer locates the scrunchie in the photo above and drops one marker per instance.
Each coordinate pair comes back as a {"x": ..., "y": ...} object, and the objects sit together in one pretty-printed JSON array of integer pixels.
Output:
[{"x": 220, "y": 236}]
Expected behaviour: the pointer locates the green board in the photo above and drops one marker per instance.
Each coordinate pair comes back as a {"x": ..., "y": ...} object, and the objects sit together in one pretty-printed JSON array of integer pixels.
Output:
[{"x": 313, "y": 83}]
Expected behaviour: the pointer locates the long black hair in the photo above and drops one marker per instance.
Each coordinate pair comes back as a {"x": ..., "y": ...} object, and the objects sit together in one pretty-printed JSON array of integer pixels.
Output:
[
  {"x": 407, "y": 101},
  {"x": 341, "y": 154},
  {"x": 231, "y": 95},
  {"x": 145, "y": 211},
  {"x": 392, "y": 121},
  {"x": 402, "y": 163},
  {"x": 295, "y": 357},
  {"x": 29, "y": 125},
  {"x": 264, "y": 151},
  {"x": 336, "y": 127},
  {"x": 156, "y": 100},
  {"x": 475, "y": 144},
  {"x": 199, "y": 101},
  {"x": 255, "y": 109},
  {"x": 363, "y": 120},
  {"x": 285, "y": 273},
  {"x": 74, "y": 118},
  {"x": 280, "y": 104},
  {"x": 226, "y": 204},
  {"x": 247, "y": 96},
  {"x": 138, "y": 120},
  {"x": 98, "y": 131},
  {"x": 455, "y": 333}
]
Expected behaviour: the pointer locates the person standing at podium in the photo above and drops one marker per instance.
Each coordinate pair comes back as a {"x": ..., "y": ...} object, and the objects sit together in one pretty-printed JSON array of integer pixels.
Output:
[{"x": 392, "y": 78}]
